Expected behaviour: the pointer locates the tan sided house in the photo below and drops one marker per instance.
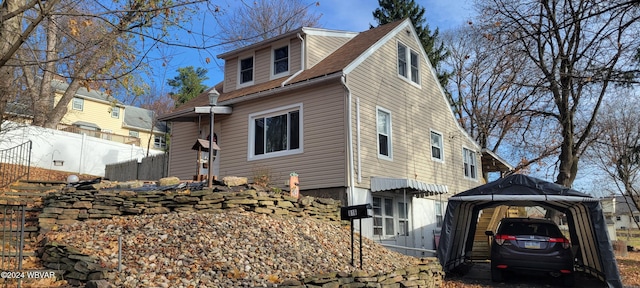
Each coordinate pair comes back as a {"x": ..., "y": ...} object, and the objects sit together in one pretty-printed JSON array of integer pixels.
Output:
[{"x": 358, "y": 116}]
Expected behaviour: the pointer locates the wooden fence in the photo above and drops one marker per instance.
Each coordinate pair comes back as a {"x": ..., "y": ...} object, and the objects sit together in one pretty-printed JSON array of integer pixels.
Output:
[{"x": 150, "y": 168}]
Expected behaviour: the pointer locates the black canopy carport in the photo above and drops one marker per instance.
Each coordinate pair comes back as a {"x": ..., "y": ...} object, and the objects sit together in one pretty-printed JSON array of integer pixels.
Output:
[{"x": 587, "y": 226}]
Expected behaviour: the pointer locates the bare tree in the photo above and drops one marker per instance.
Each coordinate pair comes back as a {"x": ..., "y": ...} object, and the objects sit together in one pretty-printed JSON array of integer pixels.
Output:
[
  {"x": 617, "y": 150},
  {"x": 262, "y": 19},
  {"x": 88, "y": 44},
  {"x": 578, "y": 49},
  {"x": 490, "y": 94}
]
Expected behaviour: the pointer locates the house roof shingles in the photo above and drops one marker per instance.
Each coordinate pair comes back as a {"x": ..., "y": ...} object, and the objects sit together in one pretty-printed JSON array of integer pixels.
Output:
[{"x": 333, "y": 63}]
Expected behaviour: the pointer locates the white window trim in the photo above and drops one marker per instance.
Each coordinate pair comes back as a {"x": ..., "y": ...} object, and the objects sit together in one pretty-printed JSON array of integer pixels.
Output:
[
  {"x": 73, "y": 107},
  {"x": 133, "y": 133},
  {"x": 441, "y": 159},
  {"x": 463, "y": 162},
  {"x": 390, "y": 136},
  {"x": 407, "y": 208},
  {"x": 273, "y": 59},
  {"x": 408, "y": 63},
  {"x": 395, "y": 215},
  {"x": 272, "y": 112},
  {"x": 117, "y": 114},
  {"x": 163, "y": 141},
  {"x": 239, "y": 75}
]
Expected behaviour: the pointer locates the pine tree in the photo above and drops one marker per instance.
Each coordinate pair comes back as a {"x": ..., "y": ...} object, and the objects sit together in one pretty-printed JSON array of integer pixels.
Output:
[
  {"x": 188, "y": 84},
  {"x": 392, "y": 10}
]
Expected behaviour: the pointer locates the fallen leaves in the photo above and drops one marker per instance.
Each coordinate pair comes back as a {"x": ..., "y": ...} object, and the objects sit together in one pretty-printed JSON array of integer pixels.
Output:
[{"x": 629, "y": 267}]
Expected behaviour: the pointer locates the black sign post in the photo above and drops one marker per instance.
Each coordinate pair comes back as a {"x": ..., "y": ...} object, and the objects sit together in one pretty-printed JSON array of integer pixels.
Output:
[{"x": 356, "y": 212}]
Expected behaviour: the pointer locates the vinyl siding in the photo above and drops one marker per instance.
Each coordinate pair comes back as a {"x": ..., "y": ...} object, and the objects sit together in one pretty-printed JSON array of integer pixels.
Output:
[
  {"x": 262, "y": 67},
  {"x": 414, "y": 111},
  {"x": 323, "y": 161},
  {"x": 231, "y": 73},
  {"x": 262, "y": 64},
  {"x": 319, "y": 47},
  {"x": 144, "y": 136},
  {"x": 182, "y": 159},
  {"x": 94, "y": 112}
]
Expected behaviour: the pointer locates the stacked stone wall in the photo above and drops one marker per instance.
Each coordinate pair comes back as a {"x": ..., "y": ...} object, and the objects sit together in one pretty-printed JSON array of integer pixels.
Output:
[
  {"x": 69, "y": 207},
  {"x": 427, "y": 274}
]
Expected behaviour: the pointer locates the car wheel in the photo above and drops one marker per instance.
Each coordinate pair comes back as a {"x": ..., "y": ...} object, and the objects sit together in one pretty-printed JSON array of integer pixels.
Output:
[
  {"x": 569, "y": 280},
  {"x": 496, "y": 274}
]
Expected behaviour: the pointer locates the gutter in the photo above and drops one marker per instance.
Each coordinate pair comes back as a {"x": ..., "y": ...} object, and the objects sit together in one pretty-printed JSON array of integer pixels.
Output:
[
  {"x": 302, "y": 55},
  {"x": 290, "y": 87}
]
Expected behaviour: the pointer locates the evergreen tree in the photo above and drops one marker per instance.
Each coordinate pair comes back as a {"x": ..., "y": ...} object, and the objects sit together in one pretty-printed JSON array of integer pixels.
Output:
[
  {"x": 188, "y": 84},
  {"x": 392, "y": 10}
]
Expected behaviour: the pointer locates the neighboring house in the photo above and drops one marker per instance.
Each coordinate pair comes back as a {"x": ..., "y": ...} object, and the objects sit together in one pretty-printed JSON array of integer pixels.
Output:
[
  {"x": 359, "y": 117},
  {"x": 98, "y": 114},
  {"x": 627, "y": 215}
]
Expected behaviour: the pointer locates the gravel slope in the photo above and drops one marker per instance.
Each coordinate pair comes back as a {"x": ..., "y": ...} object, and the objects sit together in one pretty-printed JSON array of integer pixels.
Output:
[{"x": 234, "y": 248}]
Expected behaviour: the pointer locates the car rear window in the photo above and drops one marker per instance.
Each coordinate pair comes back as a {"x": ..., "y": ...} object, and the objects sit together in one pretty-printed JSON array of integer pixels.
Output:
[{"x": 523, "y": 228}]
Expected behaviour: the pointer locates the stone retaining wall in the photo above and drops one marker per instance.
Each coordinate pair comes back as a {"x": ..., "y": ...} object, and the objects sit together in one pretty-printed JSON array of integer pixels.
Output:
[
  {"x": 76, "y": 267},
  {"x": 428, "y": 274},
  {"x": 69, "y": 207}
]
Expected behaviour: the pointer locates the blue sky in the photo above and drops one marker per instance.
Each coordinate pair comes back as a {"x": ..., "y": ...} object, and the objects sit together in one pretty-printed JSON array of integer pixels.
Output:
[{"x": 349, "y": 15}]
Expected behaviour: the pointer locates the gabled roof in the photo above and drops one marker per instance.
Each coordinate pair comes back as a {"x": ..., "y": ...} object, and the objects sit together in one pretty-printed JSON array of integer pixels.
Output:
[
  {"x": 140, "y": 118},
  {"x": 94, "y": 94},
  {"x": 331, "y": 64},
  {"x": 290, "y": 34},
  {"x": 623, "y": 203}
]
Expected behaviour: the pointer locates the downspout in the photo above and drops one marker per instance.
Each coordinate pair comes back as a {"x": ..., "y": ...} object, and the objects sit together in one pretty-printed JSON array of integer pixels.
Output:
[
  {"x": 302, "y": 58},
  {"x": 351, "y": 184},
  {"x": 358, "y": 139}
]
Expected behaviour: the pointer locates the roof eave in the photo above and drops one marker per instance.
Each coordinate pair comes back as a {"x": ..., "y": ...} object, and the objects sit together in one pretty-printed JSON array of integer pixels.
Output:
[
  {"x": 296, "y": 85},
  {"x": 260, "y": 44}
]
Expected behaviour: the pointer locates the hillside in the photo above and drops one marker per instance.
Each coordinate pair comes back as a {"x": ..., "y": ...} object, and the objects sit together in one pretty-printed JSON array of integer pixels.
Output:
[{"x": 228, "y": 249}]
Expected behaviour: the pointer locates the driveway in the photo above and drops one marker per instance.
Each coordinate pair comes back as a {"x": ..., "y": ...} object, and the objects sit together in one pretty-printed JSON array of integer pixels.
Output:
[{"x": 480, "y": 276}]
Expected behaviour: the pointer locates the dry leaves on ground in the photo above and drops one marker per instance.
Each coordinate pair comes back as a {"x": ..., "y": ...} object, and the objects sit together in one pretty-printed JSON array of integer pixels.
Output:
[{"x": 629, "y": 267}]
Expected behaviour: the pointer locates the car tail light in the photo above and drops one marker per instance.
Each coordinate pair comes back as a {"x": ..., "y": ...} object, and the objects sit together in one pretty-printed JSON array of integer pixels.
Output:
[
  {"x": 500, "y": 238},
  {"x": 565, "y": 242}
]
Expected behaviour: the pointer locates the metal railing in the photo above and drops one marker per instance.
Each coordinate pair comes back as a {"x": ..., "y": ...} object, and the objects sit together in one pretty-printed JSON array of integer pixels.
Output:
[
  {"x": 15, "y": 163},
  {"x": 100, "y": 134},
  {"x": 12, "y": 240}
]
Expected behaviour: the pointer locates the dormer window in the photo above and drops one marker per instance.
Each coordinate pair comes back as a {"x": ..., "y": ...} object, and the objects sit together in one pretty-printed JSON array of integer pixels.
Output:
[
  {"x": 246, "y": 71},
  {"x": 280, "y": 61}
]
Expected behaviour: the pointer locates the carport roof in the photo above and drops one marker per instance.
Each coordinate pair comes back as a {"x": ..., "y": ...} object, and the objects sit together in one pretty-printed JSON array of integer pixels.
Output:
[{"x": 587, "y": 226}]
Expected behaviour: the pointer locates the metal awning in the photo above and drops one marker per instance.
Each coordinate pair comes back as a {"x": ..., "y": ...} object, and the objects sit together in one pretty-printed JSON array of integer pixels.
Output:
[{"x": 386, "y": 184}]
